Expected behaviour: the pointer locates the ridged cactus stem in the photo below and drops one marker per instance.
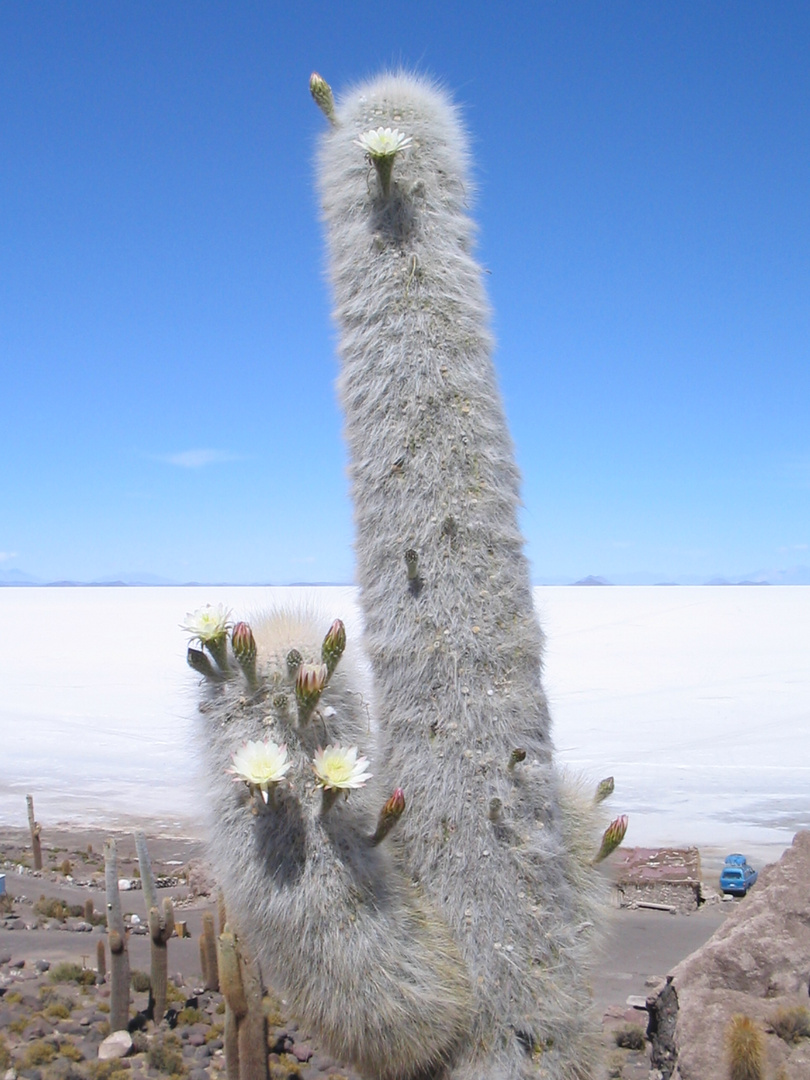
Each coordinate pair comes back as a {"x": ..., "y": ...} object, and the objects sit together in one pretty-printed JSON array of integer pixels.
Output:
[
  {"x": 117, "y": 937},
  {"x": 457, "y": 659},
  {"x": 101, "y": 959},
  {"x": 161, "y": 928},
  {"x": 245, "y": 1025},
  {"x": 208, "y": 953},
  {"x": 89, "y": 910},
  {"x": 199, "y": 662},
  {"x": 244, "y": 649},
  {"x": 36, "y": 833},
  {"x": 218, "y": 647}
]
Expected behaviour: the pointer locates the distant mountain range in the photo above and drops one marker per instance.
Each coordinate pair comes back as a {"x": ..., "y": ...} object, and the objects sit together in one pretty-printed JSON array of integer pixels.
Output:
[{"x": 797, "y": 575}]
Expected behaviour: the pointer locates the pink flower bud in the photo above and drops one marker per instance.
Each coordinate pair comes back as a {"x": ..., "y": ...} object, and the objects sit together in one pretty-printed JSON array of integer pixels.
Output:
[
  {"x": 613, "y": 836},
  {"x": 392, "y": 811},
  {"x": 243, "y": 642},
  {"x": 309, "y": 683},
  {"x": 334, "y": 645}
]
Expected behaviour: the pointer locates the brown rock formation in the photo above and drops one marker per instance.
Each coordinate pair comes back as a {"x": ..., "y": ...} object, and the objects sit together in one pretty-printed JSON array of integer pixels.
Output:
[{"x": 757, "y": 964}]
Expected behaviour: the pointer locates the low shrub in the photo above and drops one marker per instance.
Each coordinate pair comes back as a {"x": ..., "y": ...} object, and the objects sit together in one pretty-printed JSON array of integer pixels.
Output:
[
  {"x": 57, "y": 1010},
  {"x": 190, "y": 1016},
  {"x": 140, "y": 981},
  {"x": 630, "y": 1037},
  {"x": 166, "y": 1057},
  {"x": 791, "y": 1023},
  {"x": 69, "y": 972},
  {"x": 40, "y": 1052}
]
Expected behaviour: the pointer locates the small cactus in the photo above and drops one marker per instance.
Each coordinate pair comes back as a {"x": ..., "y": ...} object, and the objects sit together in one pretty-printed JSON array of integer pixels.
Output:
[{"x": 745, "y": 1043}]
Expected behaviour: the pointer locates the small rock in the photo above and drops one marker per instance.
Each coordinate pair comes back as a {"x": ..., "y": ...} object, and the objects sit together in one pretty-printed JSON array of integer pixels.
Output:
[
  {"x": 42, "y": 965},
  {"x": 18, "y": 964},
  {"x": 5, "y": 958},
  {"x": 302, "y": 1051},
  {"x": 116, "y": 1045}
]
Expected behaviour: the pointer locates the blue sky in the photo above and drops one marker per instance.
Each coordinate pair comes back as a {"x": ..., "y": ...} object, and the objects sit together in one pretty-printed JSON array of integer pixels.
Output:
[{"x": 167, "y": 358}]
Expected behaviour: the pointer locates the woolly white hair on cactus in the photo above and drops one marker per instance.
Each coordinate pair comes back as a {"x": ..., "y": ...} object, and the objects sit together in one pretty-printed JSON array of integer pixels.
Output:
[{"x": 452, "y": 636}]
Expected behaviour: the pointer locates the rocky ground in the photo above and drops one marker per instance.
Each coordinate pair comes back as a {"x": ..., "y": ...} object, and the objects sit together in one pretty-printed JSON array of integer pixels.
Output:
[{"x": 54, "y": 1006}]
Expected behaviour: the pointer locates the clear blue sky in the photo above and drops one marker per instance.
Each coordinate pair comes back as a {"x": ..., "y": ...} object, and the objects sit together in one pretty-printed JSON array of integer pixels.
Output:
[{"x": 167, "y": 359}]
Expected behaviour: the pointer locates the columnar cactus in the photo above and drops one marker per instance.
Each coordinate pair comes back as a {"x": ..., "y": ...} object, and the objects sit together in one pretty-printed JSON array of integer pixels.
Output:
[
  {"x": 117, "y": 937},
  {"x": 457, "y": 660},
  {"x": 161, "y": 928},
  {"x": 437, "y": 922}
]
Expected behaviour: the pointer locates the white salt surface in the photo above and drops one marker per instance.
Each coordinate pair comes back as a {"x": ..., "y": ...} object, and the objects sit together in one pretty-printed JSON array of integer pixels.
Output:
[{"x": 697, "y": 700}]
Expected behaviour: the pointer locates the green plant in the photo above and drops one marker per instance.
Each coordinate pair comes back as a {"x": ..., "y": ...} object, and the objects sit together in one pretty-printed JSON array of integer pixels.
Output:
[
  {"x": 13, "y": 997},
  {"x": 630, "y": 1037},
  {"x": 190, "y": 1016},
  {"x": 165, "y": 1056},
  {"x": 40, "y": 1052},
  {"x": 746, "y": 1049},
  {"x": 791, "y": 1023},
  {"x": 70, "y": 972},
  {"x": 140, "y": 981},
  {"x": 58, "y": 1010},
  {"x": 70, "y": 1052},
  {"x": 5, "y": 1054}
]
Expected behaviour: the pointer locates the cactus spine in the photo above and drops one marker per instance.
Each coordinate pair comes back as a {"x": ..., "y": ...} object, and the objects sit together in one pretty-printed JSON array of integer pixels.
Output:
[
  {"x": 161, "y": 928},
  {"x": 116, "y": 932},
  {"x": 456, "y": 661}
]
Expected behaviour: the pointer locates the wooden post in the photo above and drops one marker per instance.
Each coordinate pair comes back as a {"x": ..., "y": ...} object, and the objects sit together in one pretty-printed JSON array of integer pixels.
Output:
[{"x": 36, "y": 831}]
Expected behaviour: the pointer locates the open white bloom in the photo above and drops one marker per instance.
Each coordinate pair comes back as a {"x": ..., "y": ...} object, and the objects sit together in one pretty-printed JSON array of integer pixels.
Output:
[
  {"x": 383, "y": 142},
  {"x": 260, "y": 764},
  {"x": 339, "y": 767},
  {"x": 208, "y": 623}
]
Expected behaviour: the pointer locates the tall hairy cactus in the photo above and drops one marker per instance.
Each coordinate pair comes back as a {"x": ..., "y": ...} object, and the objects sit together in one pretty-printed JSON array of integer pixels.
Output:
[
  {"x": 437, "y": 922},
  {"x": 450, "y": 628}
]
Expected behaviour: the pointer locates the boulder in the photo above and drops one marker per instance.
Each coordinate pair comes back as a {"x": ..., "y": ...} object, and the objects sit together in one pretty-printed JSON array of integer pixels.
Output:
[
  {"x": 116, "y": 1045},
  {"x": 756, "y": 963}
]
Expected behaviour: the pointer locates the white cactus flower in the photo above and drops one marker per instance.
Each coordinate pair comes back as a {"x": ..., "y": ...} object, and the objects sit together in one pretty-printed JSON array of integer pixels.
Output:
[
  {"x": 260, "y": 764},
  {"x": 207, "y": 624},
  {"x": 383, "y": 142},
  {"x": 339, "y": 768}
]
